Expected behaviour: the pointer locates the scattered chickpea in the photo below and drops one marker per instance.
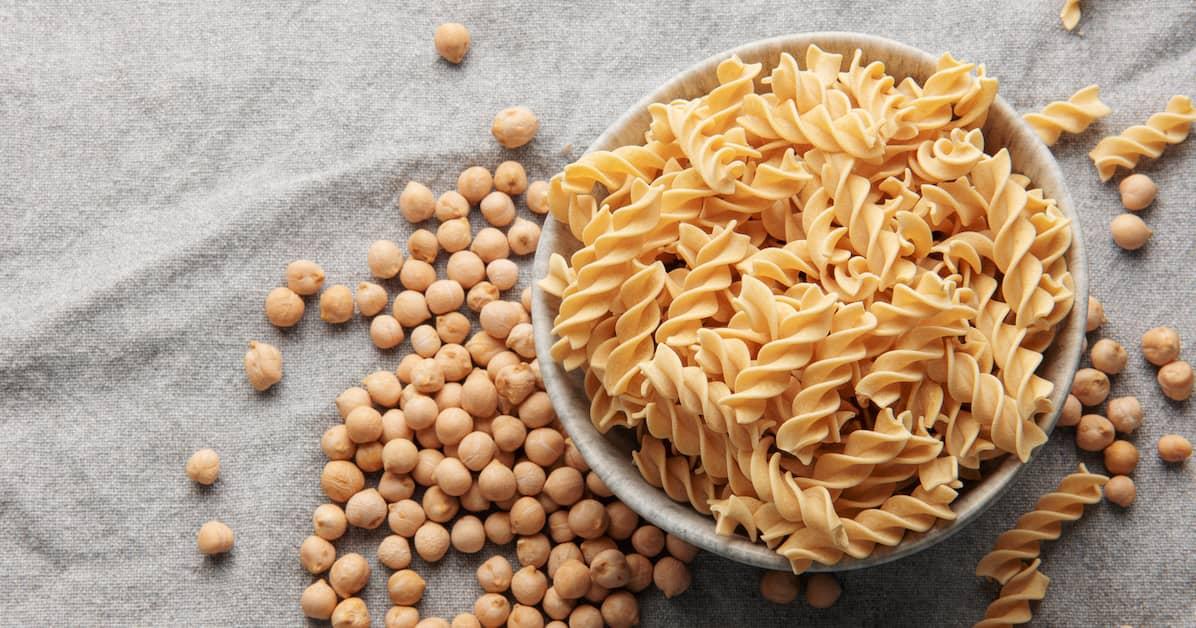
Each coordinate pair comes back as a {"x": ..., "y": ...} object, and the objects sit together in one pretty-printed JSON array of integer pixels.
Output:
[
  {"x": 779, "y": 587},
  {"x": 680, "y": 549},
  {"x": 620, "y": 610},
  {"x": 522, "y": 340},
  {"x": 529, "y": 478},
  {"x": 364, "y": 424},
  {"x": 368, "y": 457},
  {"x": 401, "y": 617},
  {"x": 349, "y": 574},
  {"x": 503, "y": 273},
  {"x": 480, "y": 295},
  {"x": 451, "y": 205},
  {"x": 406, "y": 517},
  {"x": 1120, "y": 490},
  {"x": 453, "y": 327},
  {"x": 1160, "y": 345},
  {"x": 473, "y": 501},
  {"x": 514, "y": 126},
  {"x": 341, "y": 479},
  {"x": 585, "y": 616},
  {"x": 1137, "y": 192},
  {"x": 588, "y": 519},
  {"x": 474, "y": 183},
  {"x": 203, "y": 466},
  {"x": 822, "y": 590},
  {"x": 1096, "y": 315},
  {"x": 498, "y": 209},
  {"x": 394, "y": 487},
  {"x": 1090, "y": 386},
  {"x": 465, "y": 620},
  {"x": 499, "y": 317},
  {"x": 416, "y": 202},
  {"x": 1121, "y": 457},
  {"x": 384, "y": 388},
  {"x": 318, "y": 600},
  {"x": 498, "y": 528},
  {"x": 523, "y": 236},
  {"x": 648, "y": 540},
  {"x": 329, "y": 522},
  {"x": 525, "y": 299},
  {"x": 1094, "y": 432},
  {"x": 444, "y": 295},
  {"x": 453, "y": 235},
  {"x": 466, "y": 268},
  {"x": 565, "y": 486},
  {"x": 479, "y": 396},
  {"x": 515, "y": 383},
  {"x": 263, "y": 365},
  {"x": 490, "y": 244},
  {"x": 422, "y": 245},
  {"x": 427, "y": 377},
  {"x": 439, "y": 505},
  {"x": 425, "y": 342},
  {"x": 609, "y": 569},
  {"x": 482, "y": 347},
  {"x": 497, "y": 481},
  {"x": 476, "y": 450},
  {"x": 399, "y": 456},
  {"x": 394, "y": 425},
  {"x": 454, "y": 362},
  {"x": 304, "y": 277},
  {"x": 214, "y": 537},
  {"x": 417, "y": 275},
  {"x": 528, "y": 585},
  {"x": 384, "y": 258},
  {"x": 468, "y": 536},
  {"x": 394, "y": 552},
  {"x": 371, "y": 298},
  {"x": 641, "y": 573},
  {"x": 597, "y": 486},
  {"x": 1176, "y": 380},
  {"x": 421, "y": 410},
  {"x": 350, "y": 399},
  {"x": 1072, "y": 410},
  {"x": 452, "y": 477},
  {"x": 1108, "y": 356},
  {"x": 537, "y": 197},
  {"x": 284, "y": 308},
  {"x": 536, "y": 411},
  {"x": 452, "y": 41},
  {"x": 510, "y": 178},
  {"x": 558, "y": 527},
  {"x": 495, "y": 574},
  {"x": 555, "y": 606},
  {"x": 671, "y": 576},
  {"x": 527, "y": 516},
  {"x": 431, "y": 541},
  {"x": 336, "y": 304},
  {"x": 351, "y": 613},
  {"x": 405, "y": 587},
  {"x": 1174, "y": 448},
  {"x": 525, "y": 617},
  {"x": 316, "y": 554},
  {"x": 410, "y": 308},
  {"x": 366, "y": 509},
  {"x": 492, "y": 610},
  {"x": 623, "y": 521},
  {"x": 1129, "y": 232},
  {"x": 533, "y": 550},
  {"x": 572, "y": 579}
]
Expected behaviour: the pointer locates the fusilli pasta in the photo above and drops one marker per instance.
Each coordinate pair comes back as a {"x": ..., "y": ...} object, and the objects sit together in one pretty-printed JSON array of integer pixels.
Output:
[
  {"x": 1170, "y": 126},
  {"x": 1072, "y": 115}
]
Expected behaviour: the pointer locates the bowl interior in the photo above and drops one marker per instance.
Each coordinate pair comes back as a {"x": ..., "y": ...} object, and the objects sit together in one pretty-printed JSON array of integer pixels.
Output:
[{"x": 610, "y": 455}]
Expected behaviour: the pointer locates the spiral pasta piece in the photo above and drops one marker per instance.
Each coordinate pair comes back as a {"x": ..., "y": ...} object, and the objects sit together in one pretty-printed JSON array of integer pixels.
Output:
[
  {"x": 673, "y": 474},
  {"x": 1072, "y": 115},
  {"x": 1171, "y": 126},
  {"x": 1012, "y": 606},
  {"x": 1070, "y": 14},
  {"x": 710, "y": 274}
]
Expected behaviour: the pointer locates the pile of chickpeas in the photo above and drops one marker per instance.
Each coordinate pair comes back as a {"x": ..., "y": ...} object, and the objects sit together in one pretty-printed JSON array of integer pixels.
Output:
[{"x": 1123, "y": 415}]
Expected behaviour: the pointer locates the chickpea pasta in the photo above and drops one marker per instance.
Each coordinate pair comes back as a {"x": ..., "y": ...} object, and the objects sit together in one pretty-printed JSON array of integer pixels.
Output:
[
  {"x": 1072, "y": 115},
  {"x": 819, "y": 307},
  {"x": 1125, "y": 150}
]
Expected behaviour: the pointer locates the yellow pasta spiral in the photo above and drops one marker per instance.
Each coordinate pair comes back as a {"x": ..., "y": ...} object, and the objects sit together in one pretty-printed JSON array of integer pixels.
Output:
[
  {"x": 1072, "y": 115},
  {"x": 1012, "y": 606},
  {"x": 710, "y": 275},
  {"x": 673, "y": 474},
  {"x": 1171, "y": 126}
]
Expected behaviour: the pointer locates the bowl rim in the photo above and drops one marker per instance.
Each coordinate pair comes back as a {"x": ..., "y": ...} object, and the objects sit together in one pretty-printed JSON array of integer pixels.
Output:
[{"x": 651, "y": 503}]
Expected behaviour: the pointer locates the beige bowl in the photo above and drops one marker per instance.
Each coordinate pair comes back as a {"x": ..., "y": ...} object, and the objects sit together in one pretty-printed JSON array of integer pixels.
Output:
[{"x": 610, "y": 455}]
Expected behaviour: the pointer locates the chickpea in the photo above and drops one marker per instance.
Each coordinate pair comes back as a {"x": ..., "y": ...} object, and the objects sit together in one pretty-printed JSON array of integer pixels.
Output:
[
  {"x": 509, "y": 433},
  {"x": 476, "y": 450},
  {"x": 386, "y": 332},
  {"x": 671, "y": 576},
  {"x": 1090, "y": 386},
  {"x": 490, "y": 244},
  {"x": 284, "y": 308},
  {"x": 263, "y": 365},
  {"x": 482, "y": 347},
  {"x": 1096, "y": 315},
  {"x": 822, "y": 590},
  {"x": 1108, "y": 356},
  {"x": 384, "y": 259},
  {"x": 465, "y": 620},
  {"x": 466, "y": 268},
  {"x": 449, "y": 397},
  {"x": 525, "y": 299},
  {"x": 1094, "y": 432},
  {"x": 452, "y": 425},
  {"x": 555, "y": 606},
  {"x": 214, "y": 537},
  {"x": 479, "y": 396},
  {"x": 648, "y": 540},
  {"x": 525, "y": 617},
  {"x": 620, "y": 610},
  {"x": 318, "y": 600},
  {"x": 498, "y": 209},
  {"x": 402, "y": 617},
  {"x": 544, "y": 446},
  {"x": 452, "y": 41},
  {"x": 510, "y": 178},
  {"x": 497, "y": 481},
  {"x": 422, "y": 245},
  {"x": 368, "y": 457},
  {"x": 527, "y": 516},
  {"x": 558, "y": 527},
  {"x": 609, "y": 569},
  {"x": 585, "y": 616},
  {"x": 366, "y": 509},
  {"x": 573, "y": 459},
  {"x": 559, "y": 554},
  {"x": 454, "y": 362},
  {"x": 351, "y": 613},
  {"x": 474, "y": 183},
  {"x": 316, "y": 554},
  {"x": 572, "y": 579},
  {"x": 427, "y": 438},
  {"x": 588, "y": 519},
  {"x": 431, "y": 541},
  {"x": 416, "y": 202},
  {"x": 1174, "y": 448},
  {"x": 439, "y": 505},
  {"x": 529, "y": 478},
  {"x": 454, "y": 235},
  {"x": 495, "y": 574},
  {"x": 410, "y": 308},
  {"x": 444, "y": 295},
  {"x": 1137, "y": 192},
  {"x": 1160, "y": 345},
  {"x": 394, "y": 425},
  {"x": 522, "y": 340},
  {"x": 1072, "y": 409},
  {"x": 623, "y": 521},
  {"x": 679, "y": 549},
  {"x": 336, "y": 304},
  {"x": 349, "y": 574},
  {"x": 406, "y": 517},
  {"x": 452, "y": 477},
  {"x": 641, "y": 573},
  {"x": 528, "y": 585},
  {"x": 384, "y": 388},
  {"x": 492, "y": 610},
  {"x": 417, "y": 275},
  {"x": 1125, "y": 413},
  {"x": 537, "y": 197},
  {"x": 405, "y": 587},
  {"x": 498, "y": 528},
  {"x": 1176, "y": 380},
  {"x": 304, "y": 277},
  {"x": 502, "y": 273},
  {"x": 341, "y": 479},
  {"x": 425, "y": 341},
  {"x": 514, "y": 126},
  {"x": 523, "y": 237},
  {"x": 364, "y": 424},
  {"x": 427, "y": 377},
  {"x": 533, "y": 550},
  {"x": 371, "y": 298},
  {"x": 565, "y": 485},
  {"x": 1121, "y": 457},
  {"x": 1120, "y": 490},
  {"x": 596, "y": 486},
  {"x": 1129, "y": 232},
  {"x": 203, "y": 467},
  {"x": 450, "y": 206},
  {"x": 350, "y": 399},
  {"x": 421, "y": 411},
  {"x": 329, "y": 522},
  {"x": 394, "y": 552},
  {"x": 453, "y": 327},
  {"x": 394, "y": 487}
]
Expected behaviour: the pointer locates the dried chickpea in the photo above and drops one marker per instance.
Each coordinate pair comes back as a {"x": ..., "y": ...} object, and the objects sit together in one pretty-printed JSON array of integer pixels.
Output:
[
  {"x": 476, "y": 450},
  {"x": 426, "y": 377},
  {"x": 416, "y": 202},
  {"x": 263, "y": 365},
  {"x": 492, "y": 610},
  {"x": 523, "y": 237},
  {"x": 1121, "y": 457},
  {"x": 454, "y": 362},
  {"x": 596, "y": 486},
  {"x": 522, "y": 341},
  {"x": 1174, "y": 448},
  {"x": 533, "y": 550},
  {"x": 454, "y": 235},
  {"x": 341, "y": 479},
  {"x": 410, "y": 308},
  {"x": 537, "y": 197},
  {"x": 1108, "y": 356},
  {"x": 558, "y": 527},
  {"x": 422, "y": 245},
  {"x": 528, "y": 585},
  {"x": 394, "y": 425},
  {"x": 609, "y": 569},
  {"x": 405, "y": 587},
  {"x": 572, "y": 579},
  {"x": 432, "y": 622},
  {"x": 214, "y": 537},
  {"x": 620, "y": 610},
  {"x": 394, "y": 552},
  {"x": 525, "y": 617},
  {"x": 439, "y": 505},
  {"x": 451, "y": 206},
  {"x": 525, "y": 299},
  {"x": 473, "y": 501},
  {"x": 350, "y": 399},
  {"x": 371, "y": 298},
  {"x": 349, "y": 574},
  {"x": 336, "y": 304},
  {"x": 499, "y": 317},
  {"x": 1137, "y": 192},
  {"x": 1176, "y": 380},
  {"x": 318, "y": 600},
  {"x": 405, "y": 517},
  {"x": 680, "y": 549},
  {"x": 590, "y": 548},
  {"x": 401, "y": 617},
  {"x": 1090, "y": 386},
  {"x": 384, "y": 388},
  {"x": 490, "y": 244},
  {"x": 386, "y": 332},
  {"x": 482, "y": 346},
  {"x": 417, "y": 275},
  {"x": 480, "y": 295},
  {"x": 498, "y": 528},
  {"x": 425, "y": 466},
  {"x": 1072, "y": 410},
  {"x": 304, "y": 277},
  {"x": 1096, "y": 315},
  {"x": 479, "y": 396},
  {"x": 648, "y": 540},
  {"x": 1160, "y": 345},
  {"x": 351, "y": 613},
  {"x": 640, "y": 569},
  {"x": 368, "y": 457},
  {"x": 364, "y": 424},
  {"x": 498, "y": 209},
  {"x": 452, "y": 477},
  {"x": 452, "y": 41},
  {"x": 559, "y": 554},
  {"x": 1129, "y": 232},
  {"x": 425, "y": 341},
  {"x": 466, "y": 268},
  {"x": 1094, "y": 432},
  {"x": 503, "y": 273},
  {"x": 329, "y": 522},
  {"x": 536, "y": 410},
  {"x": 495, "y": 574},
  {"x": 822, "y": 590},
  {"x": 510, "y": 177},
  {"x": 585, "y": 616},
  {"x": 284, "y": 308},
  {"x": 529, "y": 478},
  {"x": 671, "y": 576},
  {"x": 514, "y": 126},
  {"x": 509, "y": 432},
  {"x": 623, "y": 521},
  {"x": 366, "y": 509},
  {"x": 497, "y": 481},
  {"x": 393, "y": 487},
  {"x": 452, "y": 424},
  {"x": 779, "y": 587},
  {"x": 564, "y": 485},
  {"x": 1120, "y": 490},
  {"x": 527, "y": 516},
  {"x": 544, "y": 446},
  {"x": 588, "y": 519},
  {"x": 474, "y": 183},
  {"x": 465, "y": 620},
  {"x": 555, "y": 606},
  {"x": 1125, "y": 413},
  {"x": 203, "y": 467},
  {"x": 453, "y": 327},
  {"x": 431, "y": 541},
  {"x": 548, "y": 505},
  {"x": 500, "y": 361},
  {"x": 384, "y": 259}
]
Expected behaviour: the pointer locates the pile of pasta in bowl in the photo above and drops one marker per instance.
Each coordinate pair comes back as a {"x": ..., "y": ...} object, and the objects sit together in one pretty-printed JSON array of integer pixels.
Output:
[{"x": 816, "y": 299}]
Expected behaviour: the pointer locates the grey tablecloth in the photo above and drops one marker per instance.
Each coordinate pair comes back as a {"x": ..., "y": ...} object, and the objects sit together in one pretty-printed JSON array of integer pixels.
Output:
[{"x": 161, "y": 162}]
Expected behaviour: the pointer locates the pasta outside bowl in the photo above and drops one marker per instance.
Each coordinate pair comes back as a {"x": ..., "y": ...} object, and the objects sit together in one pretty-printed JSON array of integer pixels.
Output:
[{"x": 609, "y": 455}]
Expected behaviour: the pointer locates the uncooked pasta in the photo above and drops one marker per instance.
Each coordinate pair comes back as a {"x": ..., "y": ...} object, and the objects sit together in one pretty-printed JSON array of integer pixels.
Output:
[{"x": 820, "y": 306}]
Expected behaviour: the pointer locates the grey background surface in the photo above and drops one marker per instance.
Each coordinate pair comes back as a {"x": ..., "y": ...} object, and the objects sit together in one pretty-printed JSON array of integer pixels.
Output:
[{"x": 161, "y": 162}]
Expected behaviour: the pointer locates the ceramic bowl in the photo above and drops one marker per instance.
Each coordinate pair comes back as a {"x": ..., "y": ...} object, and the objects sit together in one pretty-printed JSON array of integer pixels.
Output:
[{"x": 610, "y": 455}]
